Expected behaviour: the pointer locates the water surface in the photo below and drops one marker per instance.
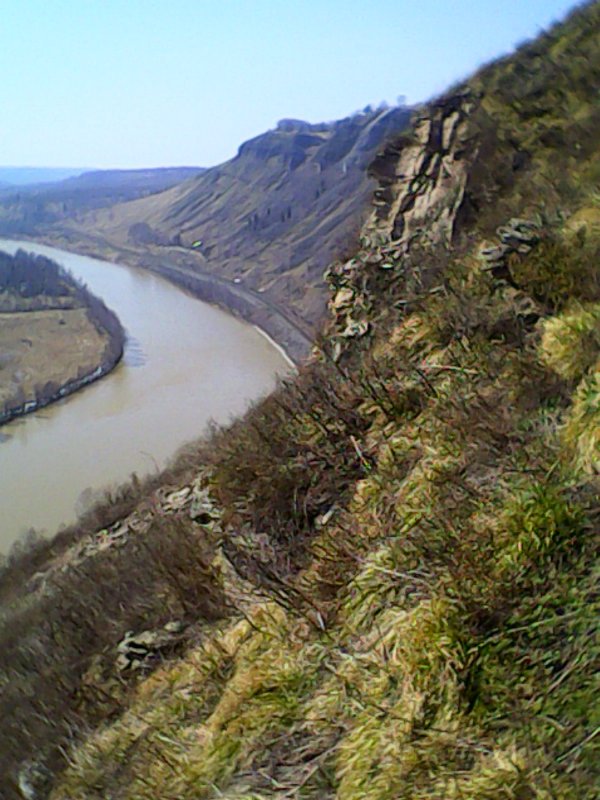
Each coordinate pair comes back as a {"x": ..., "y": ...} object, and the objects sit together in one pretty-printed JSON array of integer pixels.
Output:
[{"x": 185, "y": 363}]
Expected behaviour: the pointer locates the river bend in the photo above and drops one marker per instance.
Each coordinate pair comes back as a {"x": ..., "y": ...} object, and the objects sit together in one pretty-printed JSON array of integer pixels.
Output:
[{"x": 185, "y": 363}]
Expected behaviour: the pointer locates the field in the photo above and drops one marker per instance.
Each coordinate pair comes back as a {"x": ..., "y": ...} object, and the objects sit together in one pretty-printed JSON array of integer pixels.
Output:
[{"x": 40, "y": 347}]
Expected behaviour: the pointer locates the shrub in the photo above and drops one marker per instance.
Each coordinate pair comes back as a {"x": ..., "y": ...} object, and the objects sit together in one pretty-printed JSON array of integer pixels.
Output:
[{"x": 571, "y": 341}]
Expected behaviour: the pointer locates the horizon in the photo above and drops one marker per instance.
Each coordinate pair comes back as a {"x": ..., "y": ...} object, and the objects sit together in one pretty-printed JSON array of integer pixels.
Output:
[{"x": 151, "y": 85}]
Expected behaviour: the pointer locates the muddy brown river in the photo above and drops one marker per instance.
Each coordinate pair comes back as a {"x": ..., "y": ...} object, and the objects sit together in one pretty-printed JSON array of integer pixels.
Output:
[{"x": 185, "y": 363}]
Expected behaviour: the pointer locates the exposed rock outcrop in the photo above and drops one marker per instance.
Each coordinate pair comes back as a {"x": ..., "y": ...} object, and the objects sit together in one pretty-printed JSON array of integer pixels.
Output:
[
  {"x": 422, "y": 184},
  {"x": 142, "y": 650},
  {"x": 518, "y": 236},
  {"x": 423, "y": 179}
]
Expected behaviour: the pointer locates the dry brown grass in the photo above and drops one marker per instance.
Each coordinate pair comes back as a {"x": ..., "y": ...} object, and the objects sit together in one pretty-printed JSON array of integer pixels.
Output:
[
  {"x": 42, "y": 347},
  {"x": 407, "y": 568}
]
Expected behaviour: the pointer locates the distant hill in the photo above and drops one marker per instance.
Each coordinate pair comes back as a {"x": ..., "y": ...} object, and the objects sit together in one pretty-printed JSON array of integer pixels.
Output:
[
  {"x": 27, "y": 209},
  {"x": 22, "y": 176},
  {"x": 131, "y": 179},
  {"x": 271, "y": 218}
]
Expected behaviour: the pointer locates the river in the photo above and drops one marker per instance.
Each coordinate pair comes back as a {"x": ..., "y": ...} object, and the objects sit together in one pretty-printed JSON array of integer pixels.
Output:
[{"x": 185, "y": 363}]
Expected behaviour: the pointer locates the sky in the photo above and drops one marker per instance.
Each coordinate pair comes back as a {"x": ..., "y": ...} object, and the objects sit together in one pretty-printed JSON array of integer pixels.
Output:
[{"x": 147, "y": 83}]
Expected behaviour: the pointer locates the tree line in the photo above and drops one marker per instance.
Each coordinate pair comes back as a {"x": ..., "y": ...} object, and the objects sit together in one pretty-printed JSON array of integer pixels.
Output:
[{"x": 29, "y": 275}]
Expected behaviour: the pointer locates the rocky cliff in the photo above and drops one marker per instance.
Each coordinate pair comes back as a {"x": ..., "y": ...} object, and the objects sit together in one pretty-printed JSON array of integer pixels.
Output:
[{"x": 271, "y": 219}]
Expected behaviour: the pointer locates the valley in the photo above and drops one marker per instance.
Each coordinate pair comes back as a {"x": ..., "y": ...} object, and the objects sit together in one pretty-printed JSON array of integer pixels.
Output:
[
  {"x": 380, "y": 581},
  {"x": 268, "y": 221}
]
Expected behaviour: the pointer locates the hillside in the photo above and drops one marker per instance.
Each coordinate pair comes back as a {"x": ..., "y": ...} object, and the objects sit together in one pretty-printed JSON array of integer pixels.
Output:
[
  {"x": 271, "y": 219},
  {"x": 382, "y": 583},
  {"x": 22, "y": 176},
  {"x": 50, "y": 196}
]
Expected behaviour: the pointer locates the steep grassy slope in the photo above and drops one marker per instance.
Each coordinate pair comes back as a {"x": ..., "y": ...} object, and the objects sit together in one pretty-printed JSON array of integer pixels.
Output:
[
  {"x": 386, "y": 575},
  {"x": 273, "y": 217}
]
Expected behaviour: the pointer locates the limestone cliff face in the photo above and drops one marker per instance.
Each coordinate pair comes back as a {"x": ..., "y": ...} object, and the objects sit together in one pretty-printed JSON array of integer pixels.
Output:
[{"x": 422, "y": 183}]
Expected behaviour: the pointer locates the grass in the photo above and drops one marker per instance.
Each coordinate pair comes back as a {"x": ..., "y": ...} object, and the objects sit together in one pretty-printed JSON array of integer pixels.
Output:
[
  {"x": 571, "y": 341},
  {"x": 403, "y": 585},
  {"x": 582, "y": 428},
  {"x": 41, "y": 347}
]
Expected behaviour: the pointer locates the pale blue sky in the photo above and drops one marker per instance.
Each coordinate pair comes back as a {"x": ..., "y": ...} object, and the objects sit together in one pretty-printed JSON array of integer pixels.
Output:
[{"x": 131, "y": 83}]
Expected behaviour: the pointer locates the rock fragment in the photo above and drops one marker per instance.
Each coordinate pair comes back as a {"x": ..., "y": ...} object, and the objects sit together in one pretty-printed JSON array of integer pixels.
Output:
[
  {"x": 517, "y": 236},
  {"x": 137, "y": 651}
]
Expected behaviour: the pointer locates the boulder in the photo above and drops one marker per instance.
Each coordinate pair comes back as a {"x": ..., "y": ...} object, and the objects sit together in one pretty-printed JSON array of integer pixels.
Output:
[
  {"x": 493, "y": 255},
  {"x": 202, "y": 508},
  {"x": 138, "y": 650},
  {"x": 355, "y": 328},
  {"x": 176, "y": 500}
]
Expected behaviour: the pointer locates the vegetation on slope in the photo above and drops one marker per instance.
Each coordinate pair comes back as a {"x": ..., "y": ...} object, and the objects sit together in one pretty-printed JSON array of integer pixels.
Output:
[{"x": 401, "y": 545}]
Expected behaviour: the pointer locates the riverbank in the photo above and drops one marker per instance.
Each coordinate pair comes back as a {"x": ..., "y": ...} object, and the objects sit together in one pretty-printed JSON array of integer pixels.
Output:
[
  {"x": 53, "y": 390},
  {"x": 186, "y": 365},
  {"x": 293, "y": 335},
  {"x": 56, "y": 337}
]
